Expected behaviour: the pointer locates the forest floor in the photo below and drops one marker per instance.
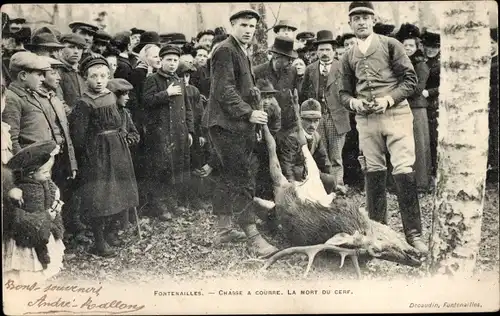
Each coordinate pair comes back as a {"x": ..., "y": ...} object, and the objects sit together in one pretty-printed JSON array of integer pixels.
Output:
[{"x": 183, "y": 249}]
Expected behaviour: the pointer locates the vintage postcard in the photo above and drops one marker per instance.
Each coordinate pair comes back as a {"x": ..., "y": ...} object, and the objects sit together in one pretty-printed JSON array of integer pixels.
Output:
[{"x": 250, "y": 158}]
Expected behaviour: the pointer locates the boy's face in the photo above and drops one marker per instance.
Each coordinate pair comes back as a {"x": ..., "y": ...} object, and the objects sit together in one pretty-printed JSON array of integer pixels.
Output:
[
  {"x": 89, "y": 37},
  {"x": 97, "y": 78},
  {"x": 52, "y": 79},
  {"x": 123, "y": 99},
  {"x": 33, "y": 79},
  {"x": 170, "y": 62},
  {"x": 72, "y": 53},
  {"x": 201, "y": 57},
  {"x": 310, "y": 125},
  {"x": 348, "y": 43},
  {"x": 44, "y": 173}
]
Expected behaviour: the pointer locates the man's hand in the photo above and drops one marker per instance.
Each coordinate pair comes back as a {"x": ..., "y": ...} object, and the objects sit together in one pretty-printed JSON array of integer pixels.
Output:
[
  {"x": 174, "y": 90},
  {"x": 17, "y": 195},
  {"x": 360, "y": 106},
  {"x": 72, "y": 176},
  {"x": 202, "y": 141},
  {"x": 425, "y": 93},
  {"x": 381, "y": 105},
  {"x": 190, "y": 139},
  {"x": 258, "y": 117}
]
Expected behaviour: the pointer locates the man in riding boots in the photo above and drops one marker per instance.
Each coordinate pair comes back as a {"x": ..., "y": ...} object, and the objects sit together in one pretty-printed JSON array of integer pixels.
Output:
[{"x": 377, "y": 79}]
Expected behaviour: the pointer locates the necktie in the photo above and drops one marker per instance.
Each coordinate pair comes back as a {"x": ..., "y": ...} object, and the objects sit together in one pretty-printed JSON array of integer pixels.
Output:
[{"x": 324, "y": 68}]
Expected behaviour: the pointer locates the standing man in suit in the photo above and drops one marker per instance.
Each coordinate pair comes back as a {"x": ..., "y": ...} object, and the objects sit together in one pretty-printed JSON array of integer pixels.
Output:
[
  {"x": 377, "y": 79},
  {"x": 322, "y": 82},
  {"x": 232, "y": 121}
]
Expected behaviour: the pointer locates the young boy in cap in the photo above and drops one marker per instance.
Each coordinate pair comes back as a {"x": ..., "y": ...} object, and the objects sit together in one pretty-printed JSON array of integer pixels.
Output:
[
  {"x": 121, "y": 88},
  {"x": 100, "y": 42},
  {"x": 72, "y": 83},
  {"x": 383, "y": 117},
  {"x": 170, "y": 133},
  {"x": 107, "y": 184},
  {"x": 33, "y": 232},
  {"x": 87, "y": 31}
]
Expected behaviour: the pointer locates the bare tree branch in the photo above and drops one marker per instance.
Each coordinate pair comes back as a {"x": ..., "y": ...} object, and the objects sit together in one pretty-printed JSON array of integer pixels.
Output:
[
  {"x": 276, "y": 17},
  {"x": 46, "y": 11}
]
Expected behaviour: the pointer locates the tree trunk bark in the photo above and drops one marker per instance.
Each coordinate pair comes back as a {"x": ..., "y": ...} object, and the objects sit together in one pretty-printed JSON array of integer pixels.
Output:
[
  {"x": 463, "y": 138},
  {"x": 199, "y": 17},
  {"x": 259, "y": 46}
]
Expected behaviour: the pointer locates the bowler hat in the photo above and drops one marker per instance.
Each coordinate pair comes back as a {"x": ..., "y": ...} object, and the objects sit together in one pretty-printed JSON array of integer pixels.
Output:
[
  {"x": 28, "y": 61},
  {"x": 325, "y": 37},
  {"x": 304, "y": 35},
  {"x": 89, "y": 28},
  {"x": 359, "y": 7},
  {"x": 169, "y": 49},
  {"x": 117, "y": 85},
  {"x": 265, "y": 86},
  {"x": 431, "y": 39},
  {"x": 175, "y": 38},
  {"x": 44, "y": 40},
  {"x": 241, "y": 13},
  {"x": 310, "y": 108},
  {"x": 73, "y": 38},
  {"x": 135, "y": 30},
  {"x": 148, "y": 37},
  {"x": 283, "y": 46},
  {"x": 407, "y": 31},
  {"x": 284, "y": 23},
  {"x": 383, "y": 29},
  {"x": 33, "y": 156}
]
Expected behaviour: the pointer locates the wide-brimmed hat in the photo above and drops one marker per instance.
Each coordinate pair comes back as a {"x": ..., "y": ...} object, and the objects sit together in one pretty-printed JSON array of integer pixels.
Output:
[
  {"x": 241, "y": 13},
  {"x": 359, "y": 7},
  {"x": 431, "y": 38},
  {"x": 325, "y": 37},
  {"x": 407, "y": 31},
  {"x": 48, "y": 40},
  {"x": 46, "y": 29},
  {"x": 383, "y": 29},
  {"x": 265, "y": 86},
  {"x": 148, "y": 37},
  {"x": 284, "y": 23},
  {"x": 283, "y": 46}
]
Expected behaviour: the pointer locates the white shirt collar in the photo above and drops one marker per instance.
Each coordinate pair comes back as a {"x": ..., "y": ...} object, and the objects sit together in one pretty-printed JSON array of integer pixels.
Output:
[{"x": 364, "y": 44}]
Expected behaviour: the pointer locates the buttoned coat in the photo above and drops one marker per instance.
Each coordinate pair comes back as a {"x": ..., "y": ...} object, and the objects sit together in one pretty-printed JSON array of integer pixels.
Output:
[
  {"x": 310, "y": 89},
  {"x": 231, "y": 79},
  {"x": 29, "y": 122},
  {"x": 72, "y": 85},
  {"x": 169, "y": 121}
]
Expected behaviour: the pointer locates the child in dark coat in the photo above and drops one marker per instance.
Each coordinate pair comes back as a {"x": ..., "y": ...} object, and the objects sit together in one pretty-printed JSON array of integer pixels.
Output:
[
  {"x": 108, "y": 184},
  {"x": 32, "y": 236}
]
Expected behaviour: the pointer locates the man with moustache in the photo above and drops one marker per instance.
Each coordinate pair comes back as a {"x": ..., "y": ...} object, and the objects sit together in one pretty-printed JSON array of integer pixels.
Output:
[
  {"x": 280, "y": 73},
  {"x": 232, "y": 120},
  {"x": 321, "y": 83},
  {"x": 72, "y": 83},
  {"x": 377, "y": 79}
]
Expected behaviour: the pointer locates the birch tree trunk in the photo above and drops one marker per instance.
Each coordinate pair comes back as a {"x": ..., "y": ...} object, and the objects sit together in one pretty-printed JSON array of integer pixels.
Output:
[
  {"x": 259, "y": 47},
  {"x": 199, "y": 17},
  {"x": 463, "y": 138}
]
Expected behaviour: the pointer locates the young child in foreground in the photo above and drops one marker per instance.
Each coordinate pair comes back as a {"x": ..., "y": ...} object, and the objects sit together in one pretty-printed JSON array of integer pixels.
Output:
[
  {"x": 33, "y": 248},
  {"x": 108, "y": 184}
]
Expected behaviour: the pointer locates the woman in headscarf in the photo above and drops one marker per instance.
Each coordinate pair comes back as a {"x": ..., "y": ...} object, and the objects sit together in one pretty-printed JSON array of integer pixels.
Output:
[{"x": 409, "y": 36}]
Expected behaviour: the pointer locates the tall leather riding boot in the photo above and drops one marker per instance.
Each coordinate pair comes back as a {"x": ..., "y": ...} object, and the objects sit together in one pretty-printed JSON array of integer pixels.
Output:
[
  {"x": 226, "y": 233},
  {"x": 376, "y": 199},
  {"x": 406, "y": 187},
  {"x": 101, "y": 247}
]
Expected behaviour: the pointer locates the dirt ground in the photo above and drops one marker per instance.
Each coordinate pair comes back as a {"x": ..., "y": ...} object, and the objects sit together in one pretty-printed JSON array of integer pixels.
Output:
[{"x": 182, "y": 250}]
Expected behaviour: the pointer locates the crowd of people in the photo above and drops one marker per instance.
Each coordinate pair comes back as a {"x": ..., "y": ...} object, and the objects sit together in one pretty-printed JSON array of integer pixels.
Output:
[{"x": 97, "y": 129}]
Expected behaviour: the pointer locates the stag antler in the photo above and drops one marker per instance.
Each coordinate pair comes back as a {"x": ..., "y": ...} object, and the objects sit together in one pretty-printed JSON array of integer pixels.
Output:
[{"x": 312, "y": 251}]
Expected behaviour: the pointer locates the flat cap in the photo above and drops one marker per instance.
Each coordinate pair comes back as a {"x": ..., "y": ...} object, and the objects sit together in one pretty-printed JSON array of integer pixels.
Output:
[
  {"x": 28, "y": 61},
  {"x": 119, "y": 85},
  {"x": 241, "y": 13},
  {"x": 91, "y": 28},
  {"x": 92, "y": 61},
  {"x": 360, "y": 7},
  {"x": 73, "y": 38},
  {"x": 310, "y": 108},
  {"x": 33, "y": 156},
  {"x": 54, "y": 63},
  {"x": 170, "y": 49},
  {"x": 305, "y": 35},
  {"x": 102, "y": 37}
]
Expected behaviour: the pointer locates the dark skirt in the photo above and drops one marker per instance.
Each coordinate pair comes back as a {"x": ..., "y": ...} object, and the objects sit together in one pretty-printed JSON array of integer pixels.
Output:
[
  {"x": 108, "y": 179},
  {"x": 422, "y": 164}
]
